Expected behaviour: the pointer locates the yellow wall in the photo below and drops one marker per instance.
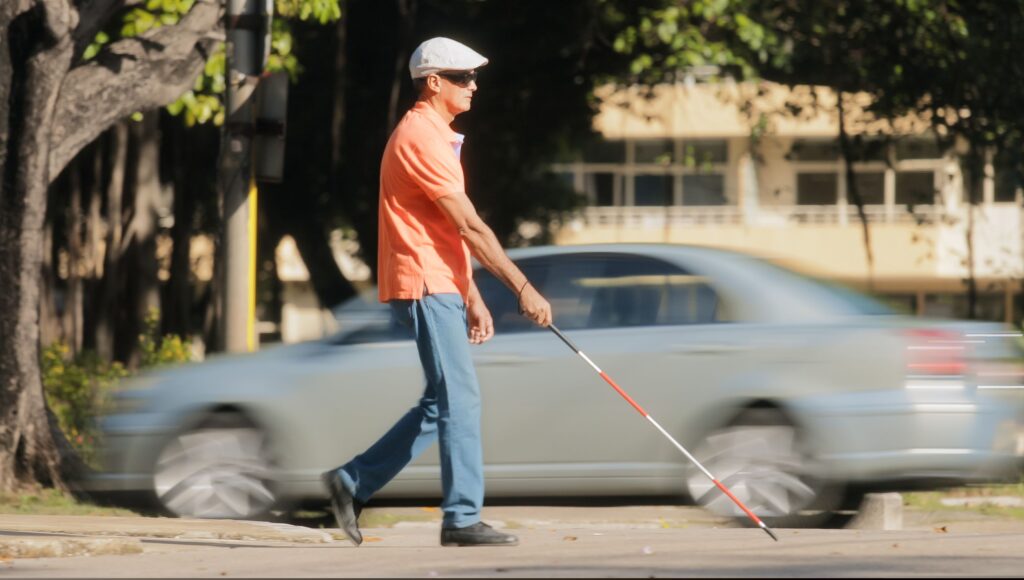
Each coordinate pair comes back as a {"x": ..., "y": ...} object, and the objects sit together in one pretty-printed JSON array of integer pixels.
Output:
[{"x": 825, "y": 250}]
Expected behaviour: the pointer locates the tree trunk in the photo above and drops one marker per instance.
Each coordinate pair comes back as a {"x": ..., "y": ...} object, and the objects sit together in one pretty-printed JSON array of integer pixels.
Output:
[
  {"x": 48, "y": 113},
  {"x": 406, "y": 24},
  {"x": 71, "y": 317},
  {"x": 297, "y": 207},
  {"x": 853, "y": 194},
  {"x": 40, "y": 55},
  {"x": 975, "y": 170},
  {"x": 109, "y": 289},
  {"x": 178, "y": 296},
  {"x": 142, "y": 286},
  {"x": 49, "y": 317}
]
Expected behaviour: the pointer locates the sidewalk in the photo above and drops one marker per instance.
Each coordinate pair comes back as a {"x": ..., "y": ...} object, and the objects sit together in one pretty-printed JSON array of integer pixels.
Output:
[
  {"x": 30, "y": 536},
  {"x": 41, "y": 536}
]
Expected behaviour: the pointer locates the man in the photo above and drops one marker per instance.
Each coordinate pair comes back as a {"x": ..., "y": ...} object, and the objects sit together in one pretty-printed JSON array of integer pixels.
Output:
[{"x": 428, "y": 228}]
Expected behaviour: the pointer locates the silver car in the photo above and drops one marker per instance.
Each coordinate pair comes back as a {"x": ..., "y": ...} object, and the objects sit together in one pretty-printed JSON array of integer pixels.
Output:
[{"x": 798, "y": 395}]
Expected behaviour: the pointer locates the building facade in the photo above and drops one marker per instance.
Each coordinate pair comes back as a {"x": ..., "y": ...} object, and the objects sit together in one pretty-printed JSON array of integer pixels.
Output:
[{"x": 757, "y": 168}]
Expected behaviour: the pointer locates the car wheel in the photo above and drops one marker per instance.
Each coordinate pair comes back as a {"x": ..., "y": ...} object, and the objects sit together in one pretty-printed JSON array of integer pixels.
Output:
[
  {"x": 219, "y": 469},
  {"x": 761, "y": 457}
]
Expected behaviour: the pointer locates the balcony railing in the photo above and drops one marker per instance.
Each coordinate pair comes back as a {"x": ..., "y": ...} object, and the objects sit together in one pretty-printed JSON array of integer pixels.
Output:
[{"x": 670, "y": 216}]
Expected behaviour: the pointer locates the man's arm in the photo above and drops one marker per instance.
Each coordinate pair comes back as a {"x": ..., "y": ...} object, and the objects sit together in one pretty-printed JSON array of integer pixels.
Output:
[{"x": 484, "y": 246}]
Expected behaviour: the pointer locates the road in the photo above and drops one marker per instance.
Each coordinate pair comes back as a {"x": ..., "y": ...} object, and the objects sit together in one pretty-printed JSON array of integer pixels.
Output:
[{"x": 567, "y": 547}]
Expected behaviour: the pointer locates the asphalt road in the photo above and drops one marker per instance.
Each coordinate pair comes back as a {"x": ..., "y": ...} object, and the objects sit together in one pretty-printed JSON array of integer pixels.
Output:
[{"x": 600, "y": 546}]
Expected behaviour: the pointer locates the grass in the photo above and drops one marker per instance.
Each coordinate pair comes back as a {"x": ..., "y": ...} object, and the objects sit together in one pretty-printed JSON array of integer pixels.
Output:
[
  {"x": 932, "y": 500},
  {"x": 54, "y": 502}
]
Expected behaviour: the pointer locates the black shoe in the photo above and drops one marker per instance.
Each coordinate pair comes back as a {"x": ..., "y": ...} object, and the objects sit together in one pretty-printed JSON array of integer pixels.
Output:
[
  {"x": 346, "y": 509},
  {"x": 479, "y": 534}
]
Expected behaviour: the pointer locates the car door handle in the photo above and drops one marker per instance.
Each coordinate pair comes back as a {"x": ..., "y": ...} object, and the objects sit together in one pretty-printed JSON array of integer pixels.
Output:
[
  {"x": 506, "y": 359},
  {"x": 719, "y": 349}
]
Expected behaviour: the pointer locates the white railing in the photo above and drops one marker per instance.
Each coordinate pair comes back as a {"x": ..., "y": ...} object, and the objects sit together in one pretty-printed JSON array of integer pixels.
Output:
[
  {"x": 641, "y": 217},
  {"x": 670, "y": 216}
]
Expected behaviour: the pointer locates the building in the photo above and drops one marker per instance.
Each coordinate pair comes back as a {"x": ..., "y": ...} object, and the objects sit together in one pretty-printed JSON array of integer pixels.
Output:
[{"x": 757, "y": 168}]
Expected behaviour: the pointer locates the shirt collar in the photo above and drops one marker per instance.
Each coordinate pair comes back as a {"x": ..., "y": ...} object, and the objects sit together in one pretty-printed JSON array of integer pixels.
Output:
[{"x": 427, "y": 111}]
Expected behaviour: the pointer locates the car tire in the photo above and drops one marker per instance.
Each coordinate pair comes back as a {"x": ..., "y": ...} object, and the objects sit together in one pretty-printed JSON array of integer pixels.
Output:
[
  {"x": 218, "y": 469},
  {"x": 763, "y": 459}
]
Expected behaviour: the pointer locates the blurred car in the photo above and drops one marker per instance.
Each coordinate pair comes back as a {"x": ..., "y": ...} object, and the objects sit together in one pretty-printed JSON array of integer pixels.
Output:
[{"x": 798, "y": 395}]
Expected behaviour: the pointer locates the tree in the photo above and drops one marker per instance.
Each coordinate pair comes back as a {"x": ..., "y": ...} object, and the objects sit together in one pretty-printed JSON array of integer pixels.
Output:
[
  {"x": 949, "y": 62},
  {"x": 52, "y": 104}
]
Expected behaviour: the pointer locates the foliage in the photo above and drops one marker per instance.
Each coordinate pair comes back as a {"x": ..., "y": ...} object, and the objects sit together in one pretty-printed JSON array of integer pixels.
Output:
[
  {"x": 161, "y": 350},
  {"x": 77, "y": 388},
  {"x": 204, "y": 102}
]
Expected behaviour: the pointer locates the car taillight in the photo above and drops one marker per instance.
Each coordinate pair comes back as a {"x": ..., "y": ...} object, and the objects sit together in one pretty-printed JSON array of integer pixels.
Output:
[{"x": 933, "y": 353}]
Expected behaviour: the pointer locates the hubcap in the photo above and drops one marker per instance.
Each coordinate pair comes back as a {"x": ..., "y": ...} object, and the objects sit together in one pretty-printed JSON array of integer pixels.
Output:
[
  {"x": 761, "y": 465},
  {"x": 215, "y": 473}
]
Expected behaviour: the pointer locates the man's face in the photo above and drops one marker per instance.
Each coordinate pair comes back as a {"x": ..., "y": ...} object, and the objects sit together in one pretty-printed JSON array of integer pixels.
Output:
[{"x": 456, "y": 89}]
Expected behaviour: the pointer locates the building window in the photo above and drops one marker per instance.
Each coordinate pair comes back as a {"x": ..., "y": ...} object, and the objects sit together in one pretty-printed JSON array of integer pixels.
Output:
[
  {"x": 653, "y": 190},
  {"x": 605, "y": 152},
  {"x": 915, "y": 188},
  {"x": 1008, "y": 178},
  {"x": 654, "y": 151},
  {"x": 704, "y": 154},
  {"x": 870, "y": 186},
  {"x": 816, "y": 188},
  {"x": 603, "y": 188},
  {"x": 814, "y": 150},
  {"x": 907, "y": 149},
  {"x": 704, "y": 189}
]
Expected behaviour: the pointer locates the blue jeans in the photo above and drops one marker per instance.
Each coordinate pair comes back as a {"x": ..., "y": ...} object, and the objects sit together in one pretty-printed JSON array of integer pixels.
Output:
[{"x": 449, "y": 411}]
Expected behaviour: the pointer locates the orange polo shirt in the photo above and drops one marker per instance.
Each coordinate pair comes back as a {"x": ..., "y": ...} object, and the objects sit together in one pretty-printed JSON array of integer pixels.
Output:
[{"x": 419, "y": 249}]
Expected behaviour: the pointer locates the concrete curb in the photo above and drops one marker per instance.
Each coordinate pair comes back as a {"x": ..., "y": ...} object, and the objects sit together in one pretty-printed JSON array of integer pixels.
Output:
[
  {"x": 164, "y": 528},
  {"x": 36, "y": 547},
  {"x": 880, "y": 511}
]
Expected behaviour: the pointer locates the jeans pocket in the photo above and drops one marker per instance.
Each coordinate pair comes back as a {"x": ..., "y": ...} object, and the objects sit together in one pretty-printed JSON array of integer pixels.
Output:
[{"x": 401, "y": 312}]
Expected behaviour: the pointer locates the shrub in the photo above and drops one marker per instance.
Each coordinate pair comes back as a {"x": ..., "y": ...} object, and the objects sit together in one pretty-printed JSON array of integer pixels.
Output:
[
  {"x": 161, "y": 350},
  {"x": 78, "y": 388}
]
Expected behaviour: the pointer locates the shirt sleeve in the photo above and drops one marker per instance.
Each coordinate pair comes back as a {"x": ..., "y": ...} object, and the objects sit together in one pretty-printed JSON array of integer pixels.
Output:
[{"x": 433, "y": 167}]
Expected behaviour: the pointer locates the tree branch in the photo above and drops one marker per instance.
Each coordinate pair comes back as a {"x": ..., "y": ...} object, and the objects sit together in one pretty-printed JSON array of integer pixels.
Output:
[
  {"x": 131, "y": 75},
  {"x": 93, "y": 16}
]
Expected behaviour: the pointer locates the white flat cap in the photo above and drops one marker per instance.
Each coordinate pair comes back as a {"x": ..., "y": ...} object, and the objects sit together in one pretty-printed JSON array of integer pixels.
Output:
[{"x": 438, "y": 54}]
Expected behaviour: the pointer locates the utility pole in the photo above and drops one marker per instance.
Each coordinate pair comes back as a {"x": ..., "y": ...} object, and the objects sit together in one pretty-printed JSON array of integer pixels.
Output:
[{"x": 248, "y": 34}]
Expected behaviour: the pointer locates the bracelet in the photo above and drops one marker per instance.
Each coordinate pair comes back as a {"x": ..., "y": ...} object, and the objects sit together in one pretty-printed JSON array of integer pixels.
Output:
[{"x": 519, "y": 297}]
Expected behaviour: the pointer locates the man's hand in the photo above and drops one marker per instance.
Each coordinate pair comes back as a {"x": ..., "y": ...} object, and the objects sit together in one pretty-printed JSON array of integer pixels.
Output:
[
  {"x": 481, "y": 325},
  {"x": 534, "y": 306}
]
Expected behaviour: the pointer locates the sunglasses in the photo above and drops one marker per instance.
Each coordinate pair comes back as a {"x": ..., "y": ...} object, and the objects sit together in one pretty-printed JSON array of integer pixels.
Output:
[{"x": 460, "y": 78}]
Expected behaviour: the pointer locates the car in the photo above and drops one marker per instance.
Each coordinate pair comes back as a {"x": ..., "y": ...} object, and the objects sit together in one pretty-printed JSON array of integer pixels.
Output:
[{"x": 797, "y": 394}]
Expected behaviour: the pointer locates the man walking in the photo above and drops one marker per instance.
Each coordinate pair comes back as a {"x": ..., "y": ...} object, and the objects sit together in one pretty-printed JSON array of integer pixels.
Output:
[{"x": 428, "y": 229}]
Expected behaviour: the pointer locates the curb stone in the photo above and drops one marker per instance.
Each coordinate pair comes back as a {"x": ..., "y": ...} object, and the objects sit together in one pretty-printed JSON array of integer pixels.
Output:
[{"x": 34, "y": 547}]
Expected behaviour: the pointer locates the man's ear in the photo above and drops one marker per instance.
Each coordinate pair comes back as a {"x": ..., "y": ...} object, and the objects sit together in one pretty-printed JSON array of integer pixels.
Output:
[{"x": 434, "y": 83}]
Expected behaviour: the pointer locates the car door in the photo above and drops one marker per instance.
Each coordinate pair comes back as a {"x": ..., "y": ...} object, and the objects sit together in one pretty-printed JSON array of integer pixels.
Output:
[
  {"x": 547, "y": 414},
  {"x": 351, "y": 388}
]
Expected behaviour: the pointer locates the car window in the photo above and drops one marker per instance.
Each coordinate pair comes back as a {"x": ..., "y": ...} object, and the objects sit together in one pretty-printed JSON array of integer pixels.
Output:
[
  {"x": 640, "y": 291},
  {"x": 604, "y": 290},
  {"x": 502, "y": 302}
]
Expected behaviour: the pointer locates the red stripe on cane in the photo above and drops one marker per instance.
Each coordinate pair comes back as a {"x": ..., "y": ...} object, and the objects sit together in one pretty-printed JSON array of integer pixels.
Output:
[
  {"x": 749, "y": 513},
  {"x": 624, "y": 394}
]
